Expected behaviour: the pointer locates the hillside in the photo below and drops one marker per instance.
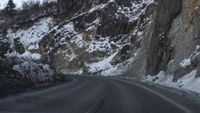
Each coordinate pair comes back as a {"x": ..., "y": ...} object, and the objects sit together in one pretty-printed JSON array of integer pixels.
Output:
[
  {"x": 156, "y": 40},
  {"x": 100, "y": 38}
]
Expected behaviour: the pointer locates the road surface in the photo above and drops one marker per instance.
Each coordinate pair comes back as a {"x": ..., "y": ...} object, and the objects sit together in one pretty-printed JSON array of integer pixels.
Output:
[{"x": 92, "y": 95}]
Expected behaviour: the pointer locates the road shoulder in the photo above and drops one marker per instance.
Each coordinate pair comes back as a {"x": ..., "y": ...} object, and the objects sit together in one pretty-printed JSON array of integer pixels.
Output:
[{"x": 186, "y": 99}]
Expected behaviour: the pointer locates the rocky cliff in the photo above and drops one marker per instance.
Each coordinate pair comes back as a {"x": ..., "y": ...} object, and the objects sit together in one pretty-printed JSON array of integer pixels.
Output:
[
  {"x": 93, "y": 37},
  {"x": 106, "y": 37},
  {"x": 174, "y": 45}
]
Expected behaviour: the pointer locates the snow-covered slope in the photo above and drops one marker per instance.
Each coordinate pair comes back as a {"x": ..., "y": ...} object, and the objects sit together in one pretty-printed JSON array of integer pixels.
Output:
[
  {"x": 98, "y": 39},
  {"x": 105, "y": 37}
]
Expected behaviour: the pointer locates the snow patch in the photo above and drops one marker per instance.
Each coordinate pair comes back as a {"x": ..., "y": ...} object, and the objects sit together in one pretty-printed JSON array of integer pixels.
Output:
[
  {"x": 34, "y": 71},
  {"x": 101, "y": 65},
  {"x": 78, "y": 40},
  {"x": 66, "y": 32},
  {"x": 93, "y": 25},
  {"x": 30, "y": 37},
  {"x": 19, "y": 3},
  {"x": 188, "y": 82},
  {"x": 27, "y": 55},
  {"x": 103, "y": 44},
  {"x": 101, "y": 6},
  {"x": 185, "y": 62},
  {"x": 77, "y": 72},
  {"x": 134, "y": 11}
]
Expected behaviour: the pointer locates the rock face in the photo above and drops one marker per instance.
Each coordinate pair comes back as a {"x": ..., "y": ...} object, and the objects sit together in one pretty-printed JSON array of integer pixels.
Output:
[
  {"x": 184, "y": 35},
  {"x": 159, "y": 51},
  {"x": 172, "y": 46},
  {"x": 80, "y": 36},
  {"x": 107, "y": 37}
]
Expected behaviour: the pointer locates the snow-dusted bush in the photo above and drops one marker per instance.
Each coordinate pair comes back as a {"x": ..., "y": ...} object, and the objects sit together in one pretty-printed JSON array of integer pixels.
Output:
[{"x": 34, "y": 71}]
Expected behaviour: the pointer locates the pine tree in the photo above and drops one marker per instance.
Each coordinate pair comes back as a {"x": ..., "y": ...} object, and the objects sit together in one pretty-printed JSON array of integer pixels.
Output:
[{"x": 10, "y": 6}]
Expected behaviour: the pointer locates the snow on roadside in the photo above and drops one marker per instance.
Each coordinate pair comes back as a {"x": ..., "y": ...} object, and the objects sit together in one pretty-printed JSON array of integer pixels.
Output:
[
  {"x": 188, "y": 82},
  {"x": 73, "y": 72}
]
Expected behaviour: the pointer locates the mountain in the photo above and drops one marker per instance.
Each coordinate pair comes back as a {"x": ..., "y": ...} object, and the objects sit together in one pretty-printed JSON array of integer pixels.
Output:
[
  {"x": 93, "y": 37},
  {"x": 104, "y": 37}
]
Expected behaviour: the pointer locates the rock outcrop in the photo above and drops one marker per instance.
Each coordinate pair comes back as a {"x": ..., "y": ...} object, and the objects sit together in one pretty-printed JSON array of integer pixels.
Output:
[
  {"x": 80, "y": 36},
  {"x": 171, "y": 42},
  {"x": 107, "y": 37},
  {"x": 159, "y": 49}
]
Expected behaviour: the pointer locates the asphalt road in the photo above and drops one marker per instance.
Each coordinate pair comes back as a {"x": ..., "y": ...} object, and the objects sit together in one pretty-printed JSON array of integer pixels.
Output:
[{"x": 92, "y": 95}]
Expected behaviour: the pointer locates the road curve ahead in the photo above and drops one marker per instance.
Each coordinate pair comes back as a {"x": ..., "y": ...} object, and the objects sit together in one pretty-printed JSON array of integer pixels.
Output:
[{"x": 92, "y": 95}]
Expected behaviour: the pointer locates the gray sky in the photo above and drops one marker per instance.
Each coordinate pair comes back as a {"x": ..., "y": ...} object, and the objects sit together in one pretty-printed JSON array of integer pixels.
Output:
[{"x": 17, "y": 2}]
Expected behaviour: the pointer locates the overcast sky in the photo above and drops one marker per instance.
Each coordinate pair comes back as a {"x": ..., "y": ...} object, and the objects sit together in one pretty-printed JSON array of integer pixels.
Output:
[{"x": 17, "y": 2}]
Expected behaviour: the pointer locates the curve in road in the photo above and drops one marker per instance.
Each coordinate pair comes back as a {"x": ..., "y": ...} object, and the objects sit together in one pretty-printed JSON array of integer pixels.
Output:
[{"x": 92, "y": 95}]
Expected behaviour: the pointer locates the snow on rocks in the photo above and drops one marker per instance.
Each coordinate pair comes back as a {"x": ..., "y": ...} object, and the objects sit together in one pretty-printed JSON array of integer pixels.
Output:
[
  {"x": 67, "y": 29},
  {"x": 70, "y": 42},
  {"x": 99, "y": 45},
  {"x": 186, "y": 62},
  {"x": 134, "y": 11},
  {"x": 105, "y": 68},
  {"x": 66, "y": 32},
  {"x": 93, "y": 25},
  {"x": 28, "y": 62},
  {"x": 34, "y": 71},
  {"x": 101, "y": 6},
  {"x": 27, "y": 55},
  {"x": 30, "y": 37},
  {"x": 101, "y": 65},
  {"x": 19, "y": 3},
  {"x": 78, "y": 39}
]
